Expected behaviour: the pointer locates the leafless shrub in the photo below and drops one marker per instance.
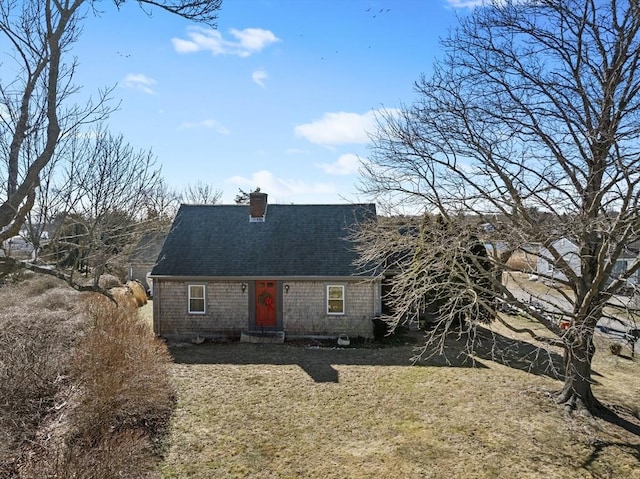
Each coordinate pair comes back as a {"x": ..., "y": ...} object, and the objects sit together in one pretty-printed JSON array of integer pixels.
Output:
[
  {"x": 108, "y": 281},
  {"x": 81, "y": 395},
  {"x": 40, "y": 283},
  {"x": 121, "y": 369},
  {"x": 57, "y": 299}
]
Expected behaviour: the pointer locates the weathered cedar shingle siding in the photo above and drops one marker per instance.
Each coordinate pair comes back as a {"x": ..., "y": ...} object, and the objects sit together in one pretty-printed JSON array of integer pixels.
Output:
[
  {"x": 226, "y": 309},
  {"x": 306, "y": 300}
]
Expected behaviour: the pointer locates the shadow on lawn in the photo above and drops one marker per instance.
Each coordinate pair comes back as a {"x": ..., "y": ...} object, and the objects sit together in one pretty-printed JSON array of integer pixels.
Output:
[
  {"x": 624, "y": 418},
  {"x": 617, "y": 417},
  {"x": 598, "y": 447},
  {"x": 318, "y": 361},
  {"x": 517, "y": 354}
]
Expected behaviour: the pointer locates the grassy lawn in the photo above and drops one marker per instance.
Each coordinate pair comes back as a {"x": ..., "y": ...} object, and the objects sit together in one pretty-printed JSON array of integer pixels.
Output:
[{"x": 289, "y": 411}]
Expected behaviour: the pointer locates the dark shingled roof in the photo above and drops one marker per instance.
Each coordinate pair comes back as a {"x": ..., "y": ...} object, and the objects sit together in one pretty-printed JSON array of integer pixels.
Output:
[
  {"x": 294, "y": 240},
  {"x": 148, "y": 247}
]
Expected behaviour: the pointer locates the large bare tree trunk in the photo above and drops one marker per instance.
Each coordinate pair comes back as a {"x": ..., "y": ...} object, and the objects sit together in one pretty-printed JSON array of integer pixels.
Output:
[{"x": 576, "y": 393}]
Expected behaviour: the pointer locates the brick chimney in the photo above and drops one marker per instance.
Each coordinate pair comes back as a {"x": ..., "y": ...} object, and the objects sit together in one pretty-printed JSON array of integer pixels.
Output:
[{"x": 257, "y": 206}]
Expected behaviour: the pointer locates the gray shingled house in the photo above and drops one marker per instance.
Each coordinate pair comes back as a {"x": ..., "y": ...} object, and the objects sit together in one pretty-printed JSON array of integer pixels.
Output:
[
  {"x": 228, "y": 271},
  {"x": 143, "y": 257}
]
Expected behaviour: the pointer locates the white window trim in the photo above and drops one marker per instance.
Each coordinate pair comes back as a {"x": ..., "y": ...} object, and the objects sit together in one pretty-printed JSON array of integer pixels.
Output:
[
  {"x": 204, "y": 298},
  {"x": 344, "y": 301}
]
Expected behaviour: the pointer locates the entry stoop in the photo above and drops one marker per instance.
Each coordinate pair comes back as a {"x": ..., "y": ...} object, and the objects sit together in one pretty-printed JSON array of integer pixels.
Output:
[{"x": 262, "y": 337}]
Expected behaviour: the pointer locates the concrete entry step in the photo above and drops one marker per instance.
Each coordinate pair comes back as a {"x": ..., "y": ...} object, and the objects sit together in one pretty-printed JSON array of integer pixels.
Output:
[{"x": 262, "y": 337}]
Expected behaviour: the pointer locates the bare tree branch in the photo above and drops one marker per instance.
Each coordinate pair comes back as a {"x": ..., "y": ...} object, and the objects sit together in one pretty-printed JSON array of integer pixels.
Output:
[
  {"x": 201, "y": 193},
  {"x": 526, "y": 133},
  {"x": 38, "y": 116}
]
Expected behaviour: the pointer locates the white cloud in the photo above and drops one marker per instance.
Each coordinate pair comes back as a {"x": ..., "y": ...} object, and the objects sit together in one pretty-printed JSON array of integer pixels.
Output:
[
  {"x": 211, "y": 124},
  {"x": 254, "y": 39},
  {"x": 280, "y": 187},
  {"x": 344, "y": 128},
  {"x": 338, "y": 128},
  {"x": 345, "y": 165},
  {"x": 259, "y": 77},
  {"x": 141, "y": 82},
  {"x": 247, "y": 41}
]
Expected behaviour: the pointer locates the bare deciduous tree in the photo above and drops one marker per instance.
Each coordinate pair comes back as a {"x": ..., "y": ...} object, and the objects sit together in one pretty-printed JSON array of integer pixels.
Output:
[
  {"x": 36, "y": 107},
  {"x": 101, "y": 192},
  {"x": 161, "y": 205},
  {"x": 528, "y": 126},
  {"x": 201, "y": 193}
]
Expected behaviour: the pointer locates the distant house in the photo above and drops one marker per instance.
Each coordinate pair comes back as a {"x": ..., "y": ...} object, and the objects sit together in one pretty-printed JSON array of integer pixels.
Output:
[
  {"x": 569, "y": 251},
  {"x": 225, "y": 270},
  {"x": 143, "y": 258},
  {"x": 627, "y": 257},
  {"x": 17, "y": 245}
]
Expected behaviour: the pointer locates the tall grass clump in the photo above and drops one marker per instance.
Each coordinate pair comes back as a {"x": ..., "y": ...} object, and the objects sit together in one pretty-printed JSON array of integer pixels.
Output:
[
  {"x": 122, "y": 370},
  {"x": 32, "y": 367},
  {"x": 37, "y": 285},
  {"x": 123, "y": 454}
]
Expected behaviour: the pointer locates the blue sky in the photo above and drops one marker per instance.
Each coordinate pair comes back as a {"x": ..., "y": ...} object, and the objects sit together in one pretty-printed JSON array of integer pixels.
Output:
[{"x": 280, "y": 96}]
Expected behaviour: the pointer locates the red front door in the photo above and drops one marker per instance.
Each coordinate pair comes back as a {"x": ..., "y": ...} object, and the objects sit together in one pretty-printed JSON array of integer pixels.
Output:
[{"x": 266, "y": 295}]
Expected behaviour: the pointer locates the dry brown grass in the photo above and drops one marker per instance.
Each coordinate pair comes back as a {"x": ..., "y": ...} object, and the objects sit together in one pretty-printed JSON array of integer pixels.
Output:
[
  {"x": 138, "y": 291},
  {"x": 523, "y": 261},
  {"x": 124, "y": 454},
  {"x": 283, "y": 411},
  {"x": 35, "y": 345}
]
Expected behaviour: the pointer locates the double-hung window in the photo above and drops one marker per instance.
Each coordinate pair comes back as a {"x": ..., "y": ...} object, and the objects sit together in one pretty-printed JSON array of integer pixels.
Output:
[
  {"x": 335, "y": 299},
  {"x": 197, "y": 299}
]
